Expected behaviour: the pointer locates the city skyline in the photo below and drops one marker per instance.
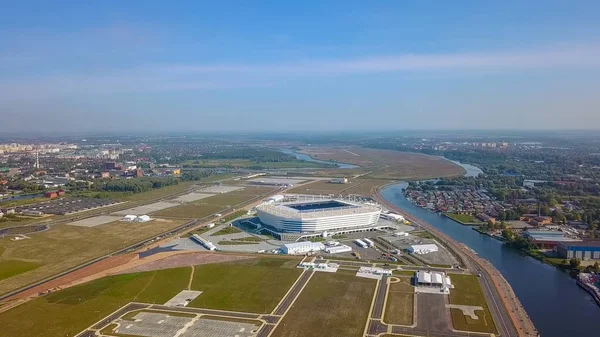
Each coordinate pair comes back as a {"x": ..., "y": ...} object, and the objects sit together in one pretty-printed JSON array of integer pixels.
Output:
[{"x": 322, "y": 67}]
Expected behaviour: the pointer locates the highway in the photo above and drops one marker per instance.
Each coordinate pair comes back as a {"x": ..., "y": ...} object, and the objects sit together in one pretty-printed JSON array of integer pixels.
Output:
[{"x": 500, "y": 313}]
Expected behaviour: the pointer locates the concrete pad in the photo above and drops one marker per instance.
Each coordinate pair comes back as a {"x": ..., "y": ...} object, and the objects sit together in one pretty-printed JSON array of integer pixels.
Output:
[
  {"x": 193, "y": 197},
  {"x": 183, "y": 298},
  {"x": 95, "y": 221},
  {"x": 276, "y": 181},
  {"x": 147, "y": 209},
  {"x": 468, "y": 310},
  {"x": 221, "y": 189}
]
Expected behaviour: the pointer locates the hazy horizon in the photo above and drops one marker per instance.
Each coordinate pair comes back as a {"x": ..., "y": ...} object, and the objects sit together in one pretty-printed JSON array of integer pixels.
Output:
[{"x": 316, "y": 67}]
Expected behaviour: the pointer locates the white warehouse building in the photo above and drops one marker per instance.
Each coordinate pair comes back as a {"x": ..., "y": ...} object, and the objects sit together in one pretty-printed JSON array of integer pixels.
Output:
[
  {"x": 303, "y": 247},
  {"x": 317, "y": 215},
  {"x": 423, "y": 249}
]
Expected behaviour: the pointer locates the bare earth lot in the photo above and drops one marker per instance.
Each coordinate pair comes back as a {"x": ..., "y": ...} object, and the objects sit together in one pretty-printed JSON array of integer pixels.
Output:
[
  {"x": 331, "y": 305},
  {"x": 387, "y": 164},
  {"x": 362, "y": 187}
]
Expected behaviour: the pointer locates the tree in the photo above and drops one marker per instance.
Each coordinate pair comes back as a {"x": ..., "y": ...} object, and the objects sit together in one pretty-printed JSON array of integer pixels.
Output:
[
  {"x": 596, "y": 267},
  {"x": 574, "y": 263}
]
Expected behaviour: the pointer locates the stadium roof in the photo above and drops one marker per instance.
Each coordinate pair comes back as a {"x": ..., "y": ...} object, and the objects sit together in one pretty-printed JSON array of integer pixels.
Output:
[{"x": 351, "y": 208}]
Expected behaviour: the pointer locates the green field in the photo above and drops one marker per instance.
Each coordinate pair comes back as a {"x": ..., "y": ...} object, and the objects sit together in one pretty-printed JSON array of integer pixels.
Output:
[
  {"x": 463, "y": 218},
  {"x": 67, "y": 312},
  {"x": 255, "y": 285},
  {"x": 252, "y": 286},
  {"x": 330, "y": 305},
  {"x": 10, "y": 268},
  {"x": 467, "y": 291},
  {"x": 64, "y": 246},
  {"x": 399, "y": 307},
  {"x": 227, "y": 230},
  {"x": 404, "y": 272},
  {"x": 189, "y": 211}
]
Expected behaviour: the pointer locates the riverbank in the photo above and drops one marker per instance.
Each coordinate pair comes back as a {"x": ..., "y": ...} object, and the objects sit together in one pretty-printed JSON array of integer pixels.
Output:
[
  {"x": 548, "y": 296},
  {"x": 497, "y": 288},
  {"x": 459, "y": 219},
  {"x": 583, "y": 280}
]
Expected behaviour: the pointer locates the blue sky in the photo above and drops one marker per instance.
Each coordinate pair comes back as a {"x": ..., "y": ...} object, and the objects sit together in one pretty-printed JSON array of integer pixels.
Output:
[{"x": 310, "y": 65}]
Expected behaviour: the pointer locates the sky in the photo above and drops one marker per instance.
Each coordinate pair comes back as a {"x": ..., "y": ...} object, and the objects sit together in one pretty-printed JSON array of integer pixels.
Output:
[{"x": 95, "y": 66}]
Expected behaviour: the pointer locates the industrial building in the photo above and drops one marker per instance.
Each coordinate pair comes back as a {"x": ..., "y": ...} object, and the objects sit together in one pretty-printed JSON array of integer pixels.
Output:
[
  {"x": 548, "y": 239},
  {"x": 423, "y": 249},
  {"x": 303, "y": 247},
  {"x": 432, "y": 279},
  {"x": 317, "y": 214},
  {"x": 337, "y": 249},
  {"x": 587, "y": 250}
]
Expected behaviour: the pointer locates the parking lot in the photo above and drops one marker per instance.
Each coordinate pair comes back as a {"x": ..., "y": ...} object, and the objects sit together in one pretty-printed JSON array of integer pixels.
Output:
[
  {"x": 67, "y": 205},
  {"x": 164, "y": 325},
  {"x": 220, "y": 189}
]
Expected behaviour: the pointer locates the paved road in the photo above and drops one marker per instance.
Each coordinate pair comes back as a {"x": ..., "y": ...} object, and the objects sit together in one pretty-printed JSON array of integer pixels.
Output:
[
  {"x": 265, "y": 330},
  {"x": 291, "y": 296},
  {"x": 130, "y": 307},
  {"x": 378, "y": 306}
]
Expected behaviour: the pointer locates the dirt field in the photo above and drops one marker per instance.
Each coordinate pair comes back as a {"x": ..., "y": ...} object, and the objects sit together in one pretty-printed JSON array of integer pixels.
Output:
[
  {"x": 330, "y": 305},
  {"x": 359, "y": 186},
  {"x": 64, "y": 246},
  {"x": 187, "y": 259},
  {"x": 388, "y": 164},
  {"x": 399, "y": 307}
]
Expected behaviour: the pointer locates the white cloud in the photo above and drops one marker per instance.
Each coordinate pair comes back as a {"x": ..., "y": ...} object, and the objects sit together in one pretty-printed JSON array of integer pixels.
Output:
[{"x": 173, "y": 77}]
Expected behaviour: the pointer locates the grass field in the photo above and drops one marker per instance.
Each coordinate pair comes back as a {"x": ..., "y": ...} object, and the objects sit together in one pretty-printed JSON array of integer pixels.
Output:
[
  {"x": 467, "y": 291},
  {"x": 64, "y": 246},
  {"x": 67, "y": 312},
  {"x": 227, "y": 230},
  {"x": 211, "y": 205},
  {"x": 463, "y": 218},
  {"x": 330, "y": 305},
  {"x": 252, "y": 286},
  {"x": 399, "y": 307},
  {"x": 10, "y": 268},
  {"x": 189, "y": 211}
]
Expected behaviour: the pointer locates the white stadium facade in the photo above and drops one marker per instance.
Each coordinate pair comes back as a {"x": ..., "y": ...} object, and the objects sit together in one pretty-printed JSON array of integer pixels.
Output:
[{"x": 318, "y": 215}]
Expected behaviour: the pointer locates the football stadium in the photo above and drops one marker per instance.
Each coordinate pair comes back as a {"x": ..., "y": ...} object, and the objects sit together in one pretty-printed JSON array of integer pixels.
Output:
[{"x": 318, "y": 215}]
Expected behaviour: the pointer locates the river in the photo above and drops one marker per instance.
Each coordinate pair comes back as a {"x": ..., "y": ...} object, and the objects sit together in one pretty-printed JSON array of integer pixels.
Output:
[
  {"x": 305, "y": 157},
  {"x": 556, "y": 305}
]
